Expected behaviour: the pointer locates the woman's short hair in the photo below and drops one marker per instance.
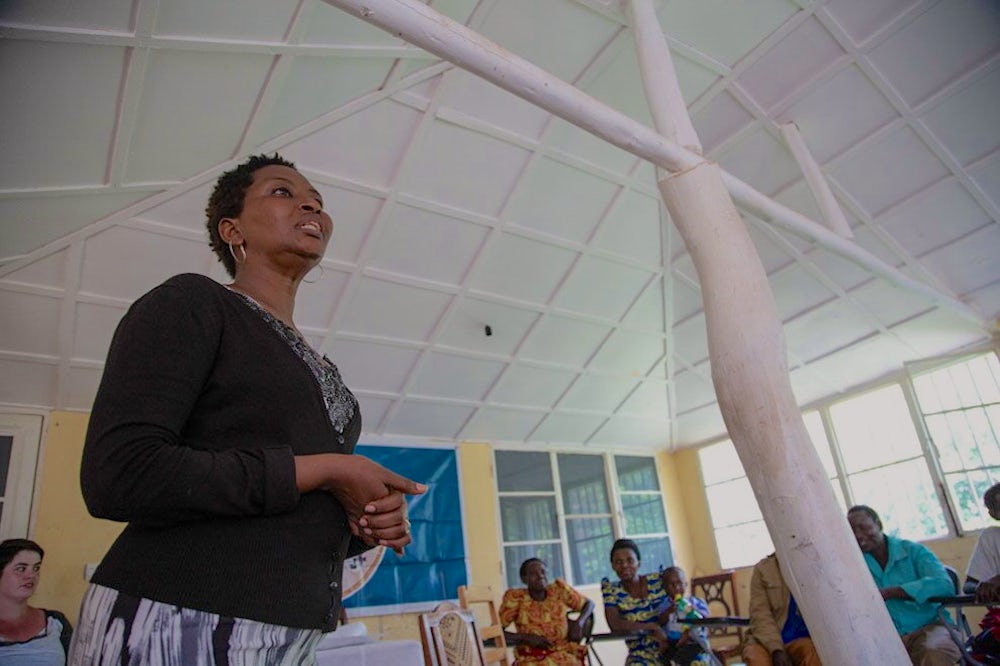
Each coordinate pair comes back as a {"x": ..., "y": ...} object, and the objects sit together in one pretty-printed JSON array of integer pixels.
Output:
[
  {"x": 227, "y": 201},
  {"x": 524, "y": 565},
  {"x": 621, "y": 544},
  {"x": 11, "y": 547}
]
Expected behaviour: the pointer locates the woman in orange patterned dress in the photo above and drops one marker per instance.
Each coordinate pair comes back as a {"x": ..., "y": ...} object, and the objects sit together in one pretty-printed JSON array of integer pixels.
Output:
[{"x": 545, "y": 635}]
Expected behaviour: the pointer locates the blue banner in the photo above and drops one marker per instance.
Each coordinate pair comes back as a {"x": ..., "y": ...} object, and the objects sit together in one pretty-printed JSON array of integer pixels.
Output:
[{"x": 433, "y": 566}]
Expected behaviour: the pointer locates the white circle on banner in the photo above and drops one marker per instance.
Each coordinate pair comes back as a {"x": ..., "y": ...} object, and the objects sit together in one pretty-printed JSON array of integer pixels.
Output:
[{"x": 359, "y": 569}]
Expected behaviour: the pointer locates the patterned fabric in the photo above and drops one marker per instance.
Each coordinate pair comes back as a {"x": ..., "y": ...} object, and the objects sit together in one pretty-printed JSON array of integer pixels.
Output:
[
  {"x": 117, "y": 628},
  {"x": 642, "y": 651},
  {"x": 340, "y": 402},
  {"x": 544, "y": 618}
]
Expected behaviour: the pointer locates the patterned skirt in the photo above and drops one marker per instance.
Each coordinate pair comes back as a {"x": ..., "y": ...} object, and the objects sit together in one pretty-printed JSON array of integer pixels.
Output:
[{"x": 119, "y": 629}]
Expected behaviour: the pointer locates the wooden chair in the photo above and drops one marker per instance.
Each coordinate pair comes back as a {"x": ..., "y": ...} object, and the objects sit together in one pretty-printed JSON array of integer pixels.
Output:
[
  {"x": 481, "y": 599},
  {"x": 450, "y": 637},
  {"x": 719, "y": 592}
]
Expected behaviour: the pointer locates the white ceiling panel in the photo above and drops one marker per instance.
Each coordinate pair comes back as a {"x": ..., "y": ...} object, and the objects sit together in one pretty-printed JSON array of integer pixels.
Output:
[
  {"x": 798, "y": 57},
  {"x": 458, "y": 206},
  {"x": 523, "y": 269},
  {"x": 601, "y": 288},
  {"x": 49, "y": 137},
  {"x": 403, "y": 313},
  {"x": 532, "y": 386},
  {"x": 466, "y": 327},
  {"x": 31, "y": 323},
  {"x": 921, "y": 57},
  {"x": 888, "y": 170},
  {"x": 367, "y": 366},
  {"x": 560, "y": 201},
  {"x": 566, "y": 341}
]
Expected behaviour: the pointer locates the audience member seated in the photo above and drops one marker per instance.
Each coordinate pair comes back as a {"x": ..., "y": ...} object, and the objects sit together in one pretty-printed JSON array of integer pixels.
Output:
[
  {"x": 685, "y": 645},
  {"x": 982, "y": 578},
  {"x": 778, "y": 636},
  {"x": 545, "y": 635},
  {"x": 907, "y": 574},
  {"x": 28, "y": 635},
  {"x": 634, "y": 603}
]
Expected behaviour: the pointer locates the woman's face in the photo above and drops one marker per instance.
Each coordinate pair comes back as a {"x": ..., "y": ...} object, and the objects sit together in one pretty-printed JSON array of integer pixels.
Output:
[
  {"x": 20, "y": 577},
  {"x": 625, "y": 563},
  {"x": 536, "y": 576},
  {"x": 283, "y": 217}
]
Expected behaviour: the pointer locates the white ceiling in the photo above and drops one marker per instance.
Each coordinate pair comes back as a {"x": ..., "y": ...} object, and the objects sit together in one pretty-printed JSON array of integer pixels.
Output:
[{"x": 458, "y": 205}]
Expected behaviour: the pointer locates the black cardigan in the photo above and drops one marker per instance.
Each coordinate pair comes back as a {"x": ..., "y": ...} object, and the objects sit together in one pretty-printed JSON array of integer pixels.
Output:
[{"x": 200, "y": 411}]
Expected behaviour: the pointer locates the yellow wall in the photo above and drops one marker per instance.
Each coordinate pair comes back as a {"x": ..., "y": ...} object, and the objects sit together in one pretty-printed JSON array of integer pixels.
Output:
[{"x": 72, "y": 538}]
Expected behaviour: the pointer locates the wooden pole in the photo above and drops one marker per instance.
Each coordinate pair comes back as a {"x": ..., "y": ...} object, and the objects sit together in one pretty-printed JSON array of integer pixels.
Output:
[
  {"x": 828, "y": 206},
  {"x": 818, "y": 554},
  {"x": 420, "y": 25}
]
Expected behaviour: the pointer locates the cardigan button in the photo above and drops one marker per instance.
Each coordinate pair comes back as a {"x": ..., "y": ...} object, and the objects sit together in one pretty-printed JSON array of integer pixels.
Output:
[{"x": 334, "y": 585}]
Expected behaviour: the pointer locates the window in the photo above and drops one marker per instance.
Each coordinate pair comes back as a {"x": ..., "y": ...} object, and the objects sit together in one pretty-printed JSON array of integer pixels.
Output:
[
  {"x": 568, "y": 508},
  {"x": 960, "y": 405},
  {"x": 885, "y": 463},
  {"x": 19, "y": 438},
  {"x": 740, "y": 533}
]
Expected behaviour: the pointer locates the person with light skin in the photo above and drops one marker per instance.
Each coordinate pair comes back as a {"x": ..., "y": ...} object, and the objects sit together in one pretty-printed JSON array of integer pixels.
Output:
[
  {"x": 545, "y": 636},
  {"x": 633, "y": 605},
  {"x": 225, "y": 441},
  {"x": 907, "y": 574},
  {"x": 28, "y": 635},
  {"x": 778, "y": 635},
  {"x": 982, "y": 577}
]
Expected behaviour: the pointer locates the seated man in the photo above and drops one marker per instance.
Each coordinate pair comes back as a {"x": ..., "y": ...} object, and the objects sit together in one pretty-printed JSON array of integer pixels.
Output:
[
  {"x": 545, "y": 636},
  {"x": 778, "y": 635},
  {"x": 982, "y": 578},
  {"x": 907, "y": 574}
]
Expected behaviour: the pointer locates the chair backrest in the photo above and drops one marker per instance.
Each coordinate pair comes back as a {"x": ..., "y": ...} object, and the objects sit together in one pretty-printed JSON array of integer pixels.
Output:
[
  {"x": 481, "y": 599},
  {"x": 719, "y": 592},
  {"x": 956, "y": 581},
  {"x": 450, "y": 637}
]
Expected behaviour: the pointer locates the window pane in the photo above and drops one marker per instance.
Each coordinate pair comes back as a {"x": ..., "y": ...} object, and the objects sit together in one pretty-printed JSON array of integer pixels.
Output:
[
  {"x": 743, "y": 545},
  {"x": 582, "y": 480},
  {"x": 875, "y": 429},
  {"x": 523, "y": 470},
  {"x": 966, "y": 490},
  {"x": 814, "y": 425},
  {"x": 636, "y": 473},
  {"x": 590, "y": 541},
  {"x": 6, "y": 445},
  {"x": 904, "y": 497},
  {"x": 719, "y": 462},
  {"x": 515, "y": 555},
  {"x": 528, "y": 518},
  {"x": 732, "y": 502},
  {"x": 644, "y": 513},
  {"x": 656, "y": 554}
]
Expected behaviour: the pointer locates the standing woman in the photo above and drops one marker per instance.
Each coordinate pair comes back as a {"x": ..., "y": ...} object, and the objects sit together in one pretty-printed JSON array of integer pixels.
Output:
[
  {"x": 634, "y": 604},
  {"x": 224, "y": 441},
  {"x": 28, "y": 635}
]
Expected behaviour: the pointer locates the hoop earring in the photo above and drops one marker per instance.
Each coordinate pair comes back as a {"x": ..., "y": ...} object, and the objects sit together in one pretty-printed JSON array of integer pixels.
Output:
[
  {"x": 322, "y": 272},
  {"x": 244, "y": 250}
]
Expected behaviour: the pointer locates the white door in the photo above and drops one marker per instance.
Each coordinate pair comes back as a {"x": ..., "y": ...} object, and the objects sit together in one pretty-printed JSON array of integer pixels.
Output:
[{"x": 20, "y": 435}]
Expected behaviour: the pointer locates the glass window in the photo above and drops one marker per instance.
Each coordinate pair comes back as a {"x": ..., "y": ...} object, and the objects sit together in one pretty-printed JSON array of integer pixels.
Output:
[
  {"x": 740, "y": 533},
  {"x": 960, "y": 405},
  {"x": 886, "y": 467},
  {"x": 536, "y": 520}
]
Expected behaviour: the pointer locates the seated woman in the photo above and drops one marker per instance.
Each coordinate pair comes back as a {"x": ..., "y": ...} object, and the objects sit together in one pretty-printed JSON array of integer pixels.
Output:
[
  {"x": 634, "y": 604},
  {"x": 545, "y": 636},
  {"x": 28, "y": 635}
]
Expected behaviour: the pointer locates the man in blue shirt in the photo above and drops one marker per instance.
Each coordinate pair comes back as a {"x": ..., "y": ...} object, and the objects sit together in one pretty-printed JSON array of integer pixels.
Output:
[{"x": 907, "y": 574}]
